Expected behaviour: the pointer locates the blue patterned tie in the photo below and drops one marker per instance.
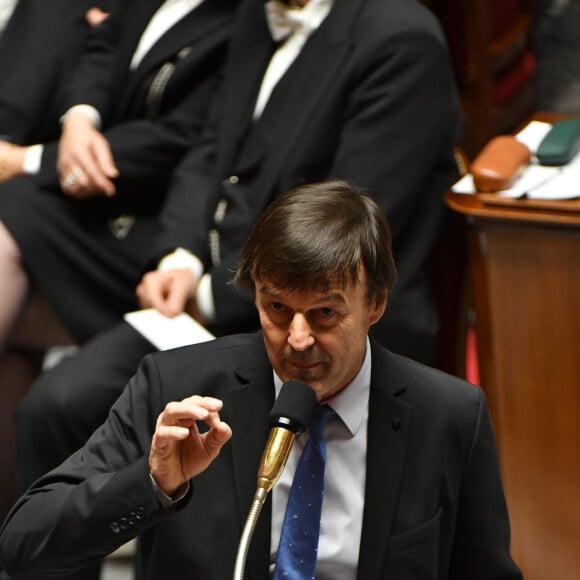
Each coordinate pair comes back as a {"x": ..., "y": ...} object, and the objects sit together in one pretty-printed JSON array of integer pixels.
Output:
[{"x": 298, "y": 549}]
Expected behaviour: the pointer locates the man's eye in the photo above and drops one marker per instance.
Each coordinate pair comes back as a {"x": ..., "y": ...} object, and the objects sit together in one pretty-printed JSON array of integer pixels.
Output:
[
  {"x": 277, "y": 306},
  {"x": 327, "y": 312}
]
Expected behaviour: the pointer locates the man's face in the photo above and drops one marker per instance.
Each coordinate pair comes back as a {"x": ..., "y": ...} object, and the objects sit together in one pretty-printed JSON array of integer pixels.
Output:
[{"x": 315, "y": 337}]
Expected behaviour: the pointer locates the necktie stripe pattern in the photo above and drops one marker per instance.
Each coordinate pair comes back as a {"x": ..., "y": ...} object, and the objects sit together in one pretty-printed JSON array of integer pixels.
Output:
[{"x": 298, "y": 548}]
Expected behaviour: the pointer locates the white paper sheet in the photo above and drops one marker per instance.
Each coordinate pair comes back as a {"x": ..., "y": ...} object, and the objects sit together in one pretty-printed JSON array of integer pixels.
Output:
[
  {"x": 533, "y": 134},
  {"x": 165, "y": 333}
]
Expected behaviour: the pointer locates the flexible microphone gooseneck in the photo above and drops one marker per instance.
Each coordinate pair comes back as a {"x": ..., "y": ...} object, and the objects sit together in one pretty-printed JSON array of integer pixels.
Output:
[{"x": 289, "y": 417}]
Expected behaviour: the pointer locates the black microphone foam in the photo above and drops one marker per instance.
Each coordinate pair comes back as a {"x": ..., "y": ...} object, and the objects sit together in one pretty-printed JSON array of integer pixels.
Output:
[{"x": 294, "y": 406}]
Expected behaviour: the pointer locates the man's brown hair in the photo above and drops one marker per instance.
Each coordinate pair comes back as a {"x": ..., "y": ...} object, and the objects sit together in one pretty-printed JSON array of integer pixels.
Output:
[{"x": 316, "y": 236}]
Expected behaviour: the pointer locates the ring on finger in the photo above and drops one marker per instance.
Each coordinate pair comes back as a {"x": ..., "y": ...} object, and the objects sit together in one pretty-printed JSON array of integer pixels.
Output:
[{"x": 72, "y": 177}]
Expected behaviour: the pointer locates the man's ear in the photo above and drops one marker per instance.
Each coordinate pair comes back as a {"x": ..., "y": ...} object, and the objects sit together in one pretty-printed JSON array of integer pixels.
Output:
[{"x": 378, "y": 308}]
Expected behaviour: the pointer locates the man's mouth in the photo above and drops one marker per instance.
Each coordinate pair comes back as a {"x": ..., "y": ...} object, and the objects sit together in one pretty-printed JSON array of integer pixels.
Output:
[{"x": 303, "y": 364}]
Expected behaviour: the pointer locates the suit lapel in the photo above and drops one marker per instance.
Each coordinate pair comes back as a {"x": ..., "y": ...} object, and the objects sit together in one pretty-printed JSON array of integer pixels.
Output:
[
  {"x": 200, "y": 22},
  {"x": 252, "y": 401},
  {"x": 296, "y": 99},
  {"x": 250, "y": 53},
  {"x": 388, "y": 435},
  {"x": 303, "y": 85},
  {"x": 193, "y": 26}
]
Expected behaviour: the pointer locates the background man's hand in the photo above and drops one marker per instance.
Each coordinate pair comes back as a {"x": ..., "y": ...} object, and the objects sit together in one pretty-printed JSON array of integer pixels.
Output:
[
  {"x": 85, "y": 162},
  {"x": 168, "y": 291},
  {"x": 11, "y": 160},
  {"x": 178, "y": 450}
]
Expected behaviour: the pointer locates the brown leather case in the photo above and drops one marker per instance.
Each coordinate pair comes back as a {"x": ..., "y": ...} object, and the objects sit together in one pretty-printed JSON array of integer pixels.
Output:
[{"x": 499, "y": 163}]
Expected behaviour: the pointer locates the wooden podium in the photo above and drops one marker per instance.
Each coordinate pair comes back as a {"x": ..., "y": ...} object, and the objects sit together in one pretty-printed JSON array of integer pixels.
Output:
[{"x": 524, "y": 262}]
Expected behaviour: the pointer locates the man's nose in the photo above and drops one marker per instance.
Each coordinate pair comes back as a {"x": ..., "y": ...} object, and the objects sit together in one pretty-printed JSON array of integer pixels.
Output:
[{"x": 300, "y": 335}]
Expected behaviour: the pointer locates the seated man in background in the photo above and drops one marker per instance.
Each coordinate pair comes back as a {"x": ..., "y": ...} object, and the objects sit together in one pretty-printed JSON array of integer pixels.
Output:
[
  {"x": 360, "y": 90},
  {"x": 411, "y": 486},
  {"x": 143, "y": 90}
]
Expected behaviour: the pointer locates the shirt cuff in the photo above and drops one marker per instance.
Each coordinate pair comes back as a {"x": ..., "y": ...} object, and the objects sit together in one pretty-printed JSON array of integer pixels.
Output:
[
  {"x": 89, "y": 110},
  {"x": 182, "y": 258},
  {"x": 204, "y": 296},
  {"x": 166, "y": 501},
  {"x": 33, "y": 159}
]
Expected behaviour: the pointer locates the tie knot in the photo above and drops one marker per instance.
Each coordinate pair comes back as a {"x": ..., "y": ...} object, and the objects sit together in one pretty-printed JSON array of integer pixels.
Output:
[{"x": 318, "y": 420}]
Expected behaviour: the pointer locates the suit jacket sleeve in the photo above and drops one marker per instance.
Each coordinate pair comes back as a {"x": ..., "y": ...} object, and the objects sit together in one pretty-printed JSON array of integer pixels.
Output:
[
  {"x": 95, "y": 501},
  {"x": 92, "y": 80}
]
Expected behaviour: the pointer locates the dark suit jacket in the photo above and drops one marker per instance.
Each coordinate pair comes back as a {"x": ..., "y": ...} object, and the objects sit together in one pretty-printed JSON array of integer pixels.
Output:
[
  {"x": 434, "y": 505},
  {"x": 148, "y": 133},
  {"x": 39, "y": 48},
  {"x": 372, "y": 100}
]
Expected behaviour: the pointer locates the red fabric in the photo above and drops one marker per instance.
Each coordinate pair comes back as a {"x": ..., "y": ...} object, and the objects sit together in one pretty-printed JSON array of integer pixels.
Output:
[
  {"x": 471, "y": 362},
  {"x": 511, "y": 81}
]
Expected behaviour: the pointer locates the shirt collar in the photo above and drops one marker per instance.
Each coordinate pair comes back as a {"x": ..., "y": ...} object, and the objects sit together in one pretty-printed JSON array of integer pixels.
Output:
[{"x": 351, "y": 404}]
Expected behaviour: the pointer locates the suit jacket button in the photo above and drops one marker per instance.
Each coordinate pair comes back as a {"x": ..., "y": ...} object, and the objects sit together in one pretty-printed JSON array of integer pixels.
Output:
[
  {"x": 140, "y": 513},
  {"x": 132, "y": 518},
  {"x": 123, "y": 523},
  {"x": 115, "y": 528},
  {"x": 232, "y": 180}
]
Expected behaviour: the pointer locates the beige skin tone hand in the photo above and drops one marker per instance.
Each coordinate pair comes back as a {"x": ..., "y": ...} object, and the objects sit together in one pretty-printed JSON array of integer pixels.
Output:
[
  {"x": 85, "y": 162},
  {"x": 11, "y": 160},
  {"x": 170, "y": 292},
  {"x": 178, "y": 450}
]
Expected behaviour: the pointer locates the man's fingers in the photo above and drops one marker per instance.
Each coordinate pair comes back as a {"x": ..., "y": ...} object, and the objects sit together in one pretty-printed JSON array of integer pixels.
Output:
[
  {"x": 105, "y": 159},
  {"x": 167, "y": 434},
  {"x": 217, "y": 437},
  {"x": 167, "y": 291},
  {"x": 194, "y": 408},
  {"x": 108, "y": 170}
]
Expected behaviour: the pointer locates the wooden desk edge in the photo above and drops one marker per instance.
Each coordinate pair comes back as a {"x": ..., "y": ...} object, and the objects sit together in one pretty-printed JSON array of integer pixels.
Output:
[{"x": 562, "y": 213}]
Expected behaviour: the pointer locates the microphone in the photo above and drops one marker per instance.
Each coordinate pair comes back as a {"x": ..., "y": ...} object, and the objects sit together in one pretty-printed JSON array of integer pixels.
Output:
[{"x": 289, "y": 417}]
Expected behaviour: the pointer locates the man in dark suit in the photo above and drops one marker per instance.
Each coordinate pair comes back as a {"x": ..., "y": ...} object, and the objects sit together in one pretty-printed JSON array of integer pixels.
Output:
[
  {"x": 149, "y": 95},
  {"x": 411, "y": 485}
]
